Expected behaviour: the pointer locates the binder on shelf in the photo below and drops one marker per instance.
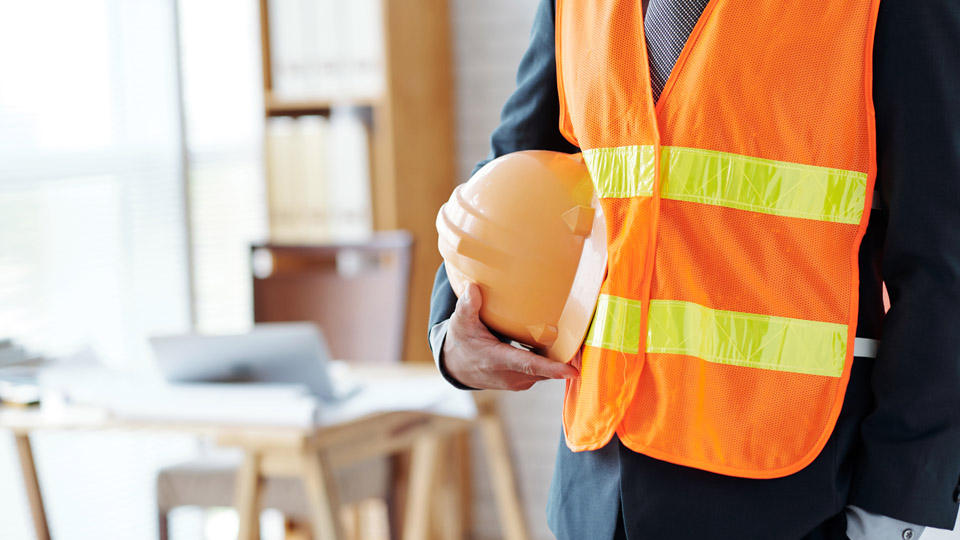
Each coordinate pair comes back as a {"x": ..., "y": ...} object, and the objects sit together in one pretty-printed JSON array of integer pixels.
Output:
[
  {"x": 326, "y": 50},
  {"x": 318, "y": 178}
]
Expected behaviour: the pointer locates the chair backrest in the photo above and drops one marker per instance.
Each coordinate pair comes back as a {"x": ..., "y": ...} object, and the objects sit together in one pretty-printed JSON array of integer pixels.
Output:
[{"x": 357, "y": 292}]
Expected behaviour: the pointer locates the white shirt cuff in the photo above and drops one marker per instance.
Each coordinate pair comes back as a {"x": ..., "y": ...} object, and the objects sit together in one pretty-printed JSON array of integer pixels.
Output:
[{"x": 862, "y": 525}]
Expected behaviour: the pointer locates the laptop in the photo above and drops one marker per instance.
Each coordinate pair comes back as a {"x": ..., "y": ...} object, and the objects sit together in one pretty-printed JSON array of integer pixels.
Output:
[{"x": 290, "y": 353}]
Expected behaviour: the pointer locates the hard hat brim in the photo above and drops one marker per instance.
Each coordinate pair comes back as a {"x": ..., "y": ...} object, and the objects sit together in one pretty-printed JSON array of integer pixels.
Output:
[{"x": 580, "y": 305}]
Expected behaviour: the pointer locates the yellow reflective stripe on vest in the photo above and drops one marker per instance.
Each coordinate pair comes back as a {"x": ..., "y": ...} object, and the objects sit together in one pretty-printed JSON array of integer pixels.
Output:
[
  {"x": 722, "y": 337},
  {"x": 731, "y": 180},
  {"x": 763, "y": 185},
  {"x": 616, "y": 324},
  {"x": 621, "y": 172},
  {"x": 746, "y": 339}
]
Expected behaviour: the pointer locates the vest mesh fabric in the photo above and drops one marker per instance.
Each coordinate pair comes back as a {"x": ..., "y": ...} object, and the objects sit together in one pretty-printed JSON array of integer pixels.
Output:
[{"x": 719, "y": 367}]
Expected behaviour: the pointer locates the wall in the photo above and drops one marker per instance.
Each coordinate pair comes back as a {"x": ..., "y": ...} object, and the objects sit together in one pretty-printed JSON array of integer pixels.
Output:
[{"x": 489, "y": 39}]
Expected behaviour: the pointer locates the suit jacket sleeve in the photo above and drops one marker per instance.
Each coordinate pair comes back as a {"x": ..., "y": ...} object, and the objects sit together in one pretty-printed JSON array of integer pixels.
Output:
[
  {"x": 910, "y": 463},
  {"x": 528, "y": 121}
]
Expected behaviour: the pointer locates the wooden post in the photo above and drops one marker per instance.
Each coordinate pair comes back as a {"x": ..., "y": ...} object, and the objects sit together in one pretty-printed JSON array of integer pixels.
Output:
[
  {"x": 415, "y": 147},
  {"x": 463, "y": 461},
  {"x": 321, "y": 491},
  {"x": 448, "y": 515},
  {"x": 423, "y": 478},
  {"x": 248, "y": 495},
  {"x": 266, "y": 61},
  {"x": 509, "y": 505},
  {"x": 31, "y": 484}
]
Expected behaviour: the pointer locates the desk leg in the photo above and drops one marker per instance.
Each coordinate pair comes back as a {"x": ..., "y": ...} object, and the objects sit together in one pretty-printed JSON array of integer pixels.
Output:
[
  {"x": 32, "y": 485},
  {"x": 463, "y": 458},
  {"x": 321, "y": 491},
  {"x": 504, "y": 479},
  {"x": 448, "y": 502},
  {"x": 424, "y": 462},
  {"x": 248, "y": 496}
]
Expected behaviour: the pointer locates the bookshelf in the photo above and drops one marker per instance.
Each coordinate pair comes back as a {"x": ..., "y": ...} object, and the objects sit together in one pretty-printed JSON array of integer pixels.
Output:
[{"x": 409, "y": 123}]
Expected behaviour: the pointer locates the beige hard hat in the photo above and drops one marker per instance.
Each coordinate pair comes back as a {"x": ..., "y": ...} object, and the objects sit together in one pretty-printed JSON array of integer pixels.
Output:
[{"x": 529, "y": 231}]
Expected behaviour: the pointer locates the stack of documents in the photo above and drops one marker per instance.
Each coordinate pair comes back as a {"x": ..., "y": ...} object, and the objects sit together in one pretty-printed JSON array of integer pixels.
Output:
[
  {"x": 425, "y": 393},
  {"x": 139, "y": 397}
]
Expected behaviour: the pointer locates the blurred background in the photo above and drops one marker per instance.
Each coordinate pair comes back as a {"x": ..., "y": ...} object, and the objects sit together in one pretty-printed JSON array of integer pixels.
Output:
[{"x": 147, "y": 145}]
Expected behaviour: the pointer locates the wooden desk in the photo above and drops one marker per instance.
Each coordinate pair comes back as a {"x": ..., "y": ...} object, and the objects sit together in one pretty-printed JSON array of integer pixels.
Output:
[{"x": 310, "y": 454}]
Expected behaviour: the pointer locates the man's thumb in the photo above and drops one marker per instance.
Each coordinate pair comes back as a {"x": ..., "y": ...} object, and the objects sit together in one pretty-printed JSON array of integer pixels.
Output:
[{"x": 470, "y": 300}]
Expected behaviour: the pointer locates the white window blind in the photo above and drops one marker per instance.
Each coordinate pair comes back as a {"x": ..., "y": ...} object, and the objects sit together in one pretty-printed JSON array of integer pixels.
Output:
[
  {"x": 223, "y": 98},
  {"x": 94, "y": 245},
  {"x": 93, "y": 230},
  {"x": 93, "y": 242}
]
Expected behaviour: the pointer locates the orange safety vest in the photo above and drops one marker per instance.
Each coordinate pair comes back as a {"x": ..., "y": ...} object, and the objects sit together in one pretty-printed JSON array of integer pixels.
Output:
[{"x": 735, "y": 206}]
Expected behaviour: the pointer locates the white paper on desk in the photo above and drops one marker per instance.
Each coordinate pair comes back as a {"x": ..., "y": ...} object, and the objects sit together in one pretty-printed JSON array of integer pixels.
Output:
[
  {"x": 213, "y": 406},
  {"x": 427, "y": 394},
  {"x": 129, "y": 396}
]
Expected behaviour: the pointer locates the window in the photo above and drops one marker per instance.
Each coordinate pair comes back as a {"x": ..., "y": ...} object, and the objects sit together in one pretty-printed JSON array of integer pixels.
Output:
[
  {"x": 93, "y": 243},
  {"x": 96, "y": 248},
  {"x": 224, "y": 131}
]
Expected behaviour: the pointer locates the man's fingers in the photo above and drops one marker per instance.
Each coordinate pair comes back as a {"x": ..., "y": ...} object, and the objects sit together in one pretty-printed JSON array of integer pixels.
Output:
[
  {"x": 495, "y": 364},
  {"x": 518, "y": 382},
  {"x": 537, "y": 366}
]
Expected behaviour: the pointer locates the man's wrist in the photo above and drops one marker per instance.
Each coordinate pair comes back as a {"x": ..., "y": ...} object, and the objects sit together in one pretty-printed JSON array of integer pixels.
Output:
[{"x": 438, "y": 337}]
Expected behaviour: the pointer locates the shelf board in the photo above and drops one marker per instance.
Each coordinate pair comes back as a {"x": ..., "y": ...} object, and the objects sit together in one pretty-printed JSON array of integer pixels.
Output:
[{"x": 320, "y": 107}]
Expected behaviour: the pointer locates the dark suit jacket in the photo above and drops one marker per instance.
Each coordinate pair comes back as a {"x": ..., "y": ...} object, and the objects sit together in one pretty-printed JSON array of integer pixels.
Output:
[{"x": 896, "y": 447}]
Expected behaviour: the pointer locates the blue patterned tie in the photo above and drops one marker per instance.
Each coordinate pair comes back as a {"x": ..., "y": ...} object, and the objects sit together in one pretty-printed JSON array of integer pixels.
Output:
[{"x": 667, "y": 25}]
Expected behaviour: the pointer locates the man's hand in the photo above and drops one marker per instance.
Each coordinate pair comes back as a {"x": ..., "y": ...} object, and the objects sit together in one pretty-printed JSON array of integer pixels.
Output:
[{"x": 475, "y": 357}]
